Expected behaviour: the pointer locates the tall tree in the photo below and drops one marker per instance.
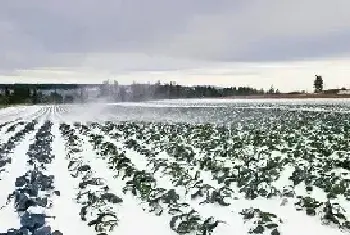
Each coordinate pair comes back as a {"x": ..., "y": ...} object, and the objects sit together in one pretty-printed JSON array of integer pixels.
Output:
[{"x": 318, "y": 84}]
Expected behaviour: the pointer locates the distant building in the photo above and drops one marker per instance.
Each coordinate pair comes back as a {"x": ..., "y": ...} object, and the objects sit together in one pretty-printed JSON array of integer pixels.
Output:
[
  {"x": 331, "y": 91},
  {"x": 344, "y": 92}
]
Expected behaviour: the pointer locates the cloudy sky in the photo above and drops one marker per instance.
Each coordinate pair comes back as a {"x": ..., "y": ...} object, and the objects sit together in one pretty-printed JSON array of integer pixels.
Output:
[{"x": 224, "y": 42}]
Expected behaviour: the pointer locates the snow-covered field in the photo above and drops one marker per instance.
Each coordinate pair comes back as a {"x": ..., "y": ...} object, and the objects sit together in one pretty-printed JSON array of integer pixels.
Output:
[{"x": 176, "y": 167}]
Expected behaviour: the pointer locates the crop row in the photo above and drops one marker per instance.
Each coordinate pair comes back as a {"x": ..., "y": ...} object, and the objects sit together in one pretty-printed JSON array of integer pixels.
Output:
[
  {"x": 177, "y": 169},
  {"x": 9, "y": 146},
  {"x": 97, "y": 202},
  {"x": 34, "y": 189},
  {"x": 143, "y": 185},
  {"x": 231, "y": 163}
]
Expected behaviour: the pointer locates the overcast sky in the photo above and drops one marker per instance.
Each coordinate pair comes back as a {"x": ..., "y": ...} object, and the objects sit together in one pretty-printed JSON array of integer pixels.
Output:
[{"x": 224, "y": 42}]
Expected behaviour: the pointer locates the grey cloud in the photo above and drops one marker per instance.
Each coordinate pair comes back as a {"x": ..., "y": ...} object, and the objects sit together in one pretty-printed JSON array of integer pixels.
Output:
[
  {"x": 166, "y": 34},
  {"x": 271, "y": 30},
  {"x": 108, "y": 26},
  {"x": 294, "y": 48}
]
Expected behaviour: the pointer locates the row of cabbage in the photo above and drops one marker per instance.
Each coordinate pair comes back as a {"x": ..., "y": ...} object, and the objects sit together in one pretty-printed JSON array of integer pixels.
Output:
[
  {"x": 32, "y": 197},
  {"x": 144, "y": 186},
  {"x": 245, "y": 162}
]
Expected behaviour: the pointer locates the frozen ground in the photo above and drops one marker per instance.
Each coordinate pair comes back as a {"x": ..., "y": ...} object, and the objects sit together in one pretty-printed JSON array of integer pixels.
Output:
[{"x": 176, "y": 167}]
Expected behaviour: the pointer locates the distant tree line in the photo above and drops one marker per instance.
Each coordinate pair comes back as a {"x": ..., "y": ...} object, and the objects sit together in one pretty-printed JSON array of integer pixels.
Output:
[
  {"x": 172, "y": 90},
  {"x": 139, "y": 92},
  {"x": 34, "y": 93},
  {"x": 49, "y": 93},
  {"x": 13, "y": 94}
]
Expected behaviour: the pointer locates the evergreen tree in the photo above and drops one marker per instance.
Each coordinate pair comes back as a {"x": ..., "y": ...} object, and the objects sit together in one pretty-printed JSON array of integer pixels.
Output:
[{"x": 318, "y": 84}]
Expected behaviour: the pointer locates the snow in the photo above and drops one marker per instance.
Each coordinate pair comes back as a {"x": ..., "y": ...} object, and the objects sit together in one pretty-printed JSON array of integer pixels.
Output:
[
  {"x": 64, "y": 208},
  {"x": 130, "y": 209},
  {"x": 8, "y": 178},
  {"x": 132, "y": 219}
]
